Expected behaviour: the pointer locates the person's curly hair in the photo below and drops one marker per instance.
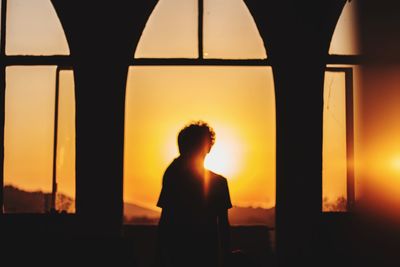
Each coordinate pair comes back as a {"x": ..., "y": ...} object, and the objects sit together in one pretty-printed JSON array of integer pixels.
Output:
[{"x": 192, "y": 137}]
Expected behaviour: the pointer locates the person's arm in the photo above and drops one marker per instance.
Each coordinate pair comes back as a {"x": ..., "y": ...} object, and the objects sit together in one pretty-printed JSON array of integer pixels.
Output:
[{"x": 225, "y": 236}]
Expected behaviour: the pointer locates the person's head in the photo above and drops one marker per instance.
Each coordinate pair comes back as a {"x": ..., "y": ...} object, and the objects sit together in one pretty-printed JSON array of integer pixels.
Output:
[{"x": 196, "y": 139}]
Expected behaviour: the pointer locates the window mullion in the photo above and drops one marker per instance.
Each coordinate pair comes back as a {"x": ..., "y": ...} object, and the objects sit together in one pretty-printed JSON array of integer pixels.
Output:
[
  {"x": 2, "y": 95},
  {"x": 200, "y": 27},
  {"x": 3, "y": 27},
  {"x": 55, "y": 141}
]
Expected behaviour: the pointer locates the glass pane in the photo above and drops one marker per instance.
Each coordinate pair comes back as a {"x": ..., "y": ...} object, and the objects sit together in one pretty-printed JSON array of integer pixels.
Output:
[
  {"x": 28, "y": 141},
  {"x": 334, "y": 143},
  {"x": 33, "y": 28},
  {"x": 238, "y": 102},
  {"x": 65, "y": 167},
  {"x": 230, "y": 31},
  {"x": 171, "y": 31},
  {"x": 345, "y": 37}
]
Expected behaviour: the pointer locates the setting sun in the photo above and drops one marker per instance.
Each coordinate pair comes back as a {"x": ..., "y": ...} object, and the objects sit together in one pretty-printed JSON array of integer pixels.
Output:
[
  {"x": 237, "y": 102},
  {"x": 225, "y": 156}
]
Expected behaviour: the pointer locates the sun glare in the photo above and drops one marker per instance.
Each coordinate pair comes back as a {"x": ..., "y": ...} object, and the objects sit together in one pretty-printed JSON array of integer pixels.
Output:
[
  {"x": 225, "y": 157},
  {"x": 396, "y": 163}
]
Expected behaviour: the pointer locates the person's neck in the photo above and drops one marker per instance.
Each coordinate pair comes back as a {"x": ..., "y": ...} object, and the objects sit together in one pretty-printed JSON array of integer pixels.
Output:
[{"x": 194, "y": 162}]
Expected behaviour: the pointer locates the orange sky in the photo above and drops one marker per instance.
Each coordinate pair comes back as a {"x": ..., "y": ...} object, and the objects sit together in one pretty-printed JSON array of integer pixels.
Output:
[{"x": 237, "y": 101}]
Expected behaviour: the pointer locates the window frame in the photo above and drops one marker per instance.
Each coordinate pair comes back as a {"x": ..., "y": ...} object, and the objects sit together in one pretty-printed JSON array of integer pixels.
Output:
[
  {"x": 64, "y": 62},
  {"x": 349, "y": 113}
]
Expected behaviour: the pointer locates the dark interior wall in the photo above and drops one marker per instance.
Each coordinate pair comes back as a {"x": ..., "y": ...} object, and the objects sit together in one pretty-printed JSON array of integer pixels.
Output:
[
  {"x": 297, "y": 35},
  {"x": 102, "y": 37}
]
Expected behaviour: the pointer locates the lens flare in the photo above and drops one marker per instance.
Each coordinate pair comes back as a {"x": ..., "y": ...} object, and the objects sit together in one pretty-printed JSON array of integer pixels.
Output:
[
  {"x": 395, "y": 163},
  {"x": 225, "y": 157}
]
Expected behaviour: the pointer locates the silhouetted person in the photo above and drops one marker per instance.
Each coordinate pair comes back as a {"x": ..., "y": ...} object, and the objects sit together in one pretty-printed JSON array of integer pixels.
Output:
[{"x": 194, "y": 226}]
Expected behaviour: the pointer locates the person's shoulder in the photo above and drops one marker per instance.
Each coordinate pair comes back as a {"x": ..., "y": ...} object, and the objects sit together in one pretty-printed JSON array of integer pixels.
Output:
[
  {"x": 173, "y": 165},
  {"x": 219, "y": 185},
  {"x": 218, "y": 178},
  {"x": 171, "y": 170}
]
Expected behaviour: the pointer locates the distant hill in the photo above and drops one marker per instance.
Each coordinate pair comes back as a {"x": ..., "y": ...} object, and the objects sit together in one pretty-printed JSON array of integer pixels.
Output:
[
  {"x": 252, "y": 216},
  {"x": 20, "y": 201},
  {"x": 136, "y": 210},
  {"x": 135, "y": 214}
]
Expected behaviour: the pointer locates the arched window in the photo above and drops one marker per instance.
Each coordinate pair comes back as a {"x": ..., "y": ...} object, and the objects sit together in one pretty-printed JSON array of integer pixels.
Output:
[
  {"x": 220, "y": 75},
  {"x": 170, "y": 32},
  {"x": 39, "y": 141},
  {"x": 33, "y": 28},
  {"x": 344, "y": 39},
  {"x": 340, "y": 114}
]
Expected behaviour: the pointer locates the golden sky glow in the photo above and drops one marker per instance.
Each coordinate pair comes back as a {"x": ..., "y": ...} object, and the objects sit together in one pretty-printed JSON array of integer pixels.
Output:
[
  {"x": 345, "y": 37},
  {"x": 230, "y": 32},
  {"x": 168, "y": 34},
  {"x": 33, "y": 28},
  {"x": 238, "y": 102},
  {"x": 334, "y": 146},
  {"x": 28, "y": 140},
  {"x": 226, "y": 155},
  {"x": 29, "y": 129},
  {"x": 65, "y": 166}
]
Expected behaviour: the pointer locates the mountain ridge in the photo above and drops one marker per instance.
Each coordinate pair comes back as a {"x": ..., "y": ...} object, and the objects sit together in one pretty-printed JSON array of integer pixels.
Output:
[{"x": 20, "y": 201}]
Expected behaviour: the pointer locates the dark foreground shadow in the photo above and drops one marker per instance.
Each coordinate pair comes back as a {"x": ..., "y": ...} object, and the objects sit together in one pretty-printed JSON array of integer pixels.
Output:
[{"x": 255, "y": 243}]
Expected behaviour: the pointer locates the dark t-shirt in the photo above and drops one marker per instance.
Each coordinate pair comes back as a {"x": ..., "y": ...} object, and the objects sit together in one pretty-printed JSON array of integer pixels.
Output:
[{"x": 191, "y": 203}]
